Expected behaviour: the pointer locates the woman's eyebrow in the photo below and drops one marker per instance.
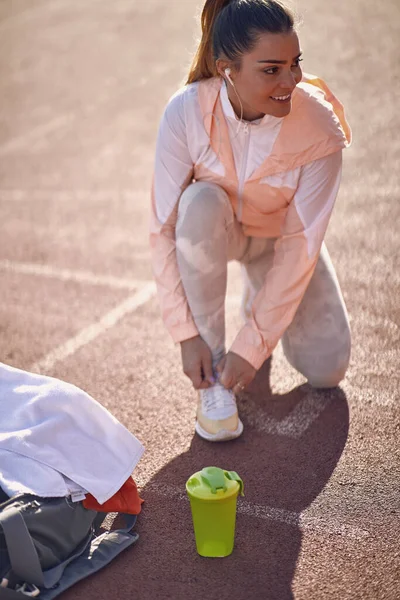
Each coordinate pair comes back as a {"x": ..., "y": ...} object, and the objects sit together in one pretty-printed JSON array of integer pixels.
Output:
[{"x": 279, "y": 62}]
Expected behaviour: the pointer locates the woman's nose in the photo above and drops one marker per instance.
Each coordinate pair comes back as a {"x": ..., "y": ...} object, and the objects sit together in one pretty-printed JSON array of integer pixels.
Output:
[{"x": 288, "y": 80}]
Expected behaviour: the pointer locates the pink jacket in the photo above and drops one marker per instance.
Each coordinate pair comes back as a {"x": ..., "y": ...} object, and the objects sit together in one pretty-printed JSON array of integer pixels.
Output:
[{"x": 265, "y": 201}]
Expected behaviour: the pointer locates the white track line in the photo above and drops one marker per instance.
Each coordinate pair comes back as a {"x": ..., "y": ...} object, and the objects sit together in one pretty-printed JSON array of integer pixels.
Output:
[
  {"x": 68, "y": 275},
  {"x": 37, "y": 133},
  {"x": 297, "y": 422},
  {"x": 302, "y": 521},
  {"x": 93, "y": 331}
]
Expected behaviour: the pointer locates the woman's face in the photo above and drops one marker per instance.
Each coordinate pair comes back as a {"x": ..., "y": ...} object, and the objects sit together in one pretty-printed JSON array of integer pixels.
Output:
[{"x": 267, "y": 76}]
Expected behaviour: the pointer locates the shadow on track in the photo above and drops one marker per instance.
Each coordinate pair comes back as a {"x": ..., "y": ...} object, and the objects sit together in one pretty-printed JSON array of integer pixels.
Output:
[{"x": 283, "y": 474}]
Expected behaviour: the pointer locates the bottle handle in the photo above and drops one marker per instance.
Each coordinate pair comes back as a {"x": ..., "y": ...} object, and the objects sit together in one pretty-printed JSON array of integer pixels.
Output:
[{"x": 233, "y": 476}]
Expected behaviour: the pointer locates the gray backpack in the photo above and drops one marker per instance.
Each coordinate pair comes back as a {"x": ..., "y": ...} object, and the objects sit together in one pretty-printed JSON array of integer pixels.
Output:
[{"x": 48, "y": 544}]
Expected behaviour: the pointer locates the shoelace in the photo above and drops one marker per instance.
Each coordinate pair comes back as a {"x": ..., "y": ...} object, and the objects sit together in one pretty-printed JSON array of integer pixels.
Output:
[{"x": 217, "y": 397}]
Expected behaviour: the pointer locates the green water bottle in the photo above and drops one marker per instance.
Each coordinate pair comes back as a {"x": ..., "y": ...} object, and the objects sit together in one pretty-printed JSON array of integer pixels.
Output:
[{"x": 213, "y": 493}]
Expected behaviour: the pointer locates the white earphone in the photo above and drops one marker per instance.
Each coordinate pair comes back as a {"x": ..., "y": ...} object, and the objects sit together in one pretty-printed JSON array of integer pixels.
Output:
[
  {"x": 228, "y": 76},
  {"x": 227, "y": 73}
]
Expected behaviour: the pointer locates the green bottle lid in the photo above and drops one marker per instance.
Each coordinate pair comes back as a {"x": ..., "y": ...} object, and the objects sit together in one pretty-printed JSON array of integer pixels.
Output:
[{"x": 213, "y": 483}]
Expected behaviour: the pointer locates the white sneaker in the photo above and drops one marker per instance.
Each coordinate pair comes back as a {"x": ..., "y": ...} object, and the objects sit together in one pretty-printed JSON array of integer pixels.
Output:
[{"x": 217, "y": 415}]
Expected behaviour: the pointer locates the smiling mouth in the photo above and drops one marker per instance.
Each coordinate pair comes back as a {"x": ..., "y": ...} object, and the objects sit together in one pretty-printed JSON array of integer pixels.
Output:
[{"x": 281, "y": 98}]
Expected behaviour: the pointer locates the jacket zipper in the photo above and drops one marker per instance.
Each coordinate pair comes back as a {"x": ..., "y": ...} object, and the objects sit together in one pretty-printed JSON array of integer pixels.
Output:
[{"x": 242, "y": 176}]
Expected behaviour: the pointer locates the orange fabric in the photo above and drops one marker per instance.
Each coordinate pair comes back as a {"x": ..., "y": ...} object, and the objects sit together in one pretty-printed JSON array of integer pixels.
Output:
[
  {"x": 126, "y": 500},
  {"x": 331, "y": 98},
  {"x": 314, "y": 128}
]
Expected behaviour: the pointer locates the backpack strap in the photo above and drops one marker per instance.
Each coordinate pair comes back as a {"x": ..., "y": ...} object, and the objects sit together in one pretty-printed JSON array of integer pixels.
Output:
[
  {"x": 22, "y": 553},
  {"x": 52, "y": 576},
  {"x": 8, "y": 594},
  {"x": 103, "y": 549},
  {"x": 91, "y": 556}
]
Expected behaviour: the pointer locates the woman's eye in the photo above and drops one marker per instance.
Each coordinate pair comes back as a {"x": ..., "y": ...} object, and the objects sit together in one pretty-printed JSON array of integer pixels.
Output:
[
  {"x": 271, "y": 70},
  {"x": 274, "y": 70},
  {"x": 297, "y": 62}
]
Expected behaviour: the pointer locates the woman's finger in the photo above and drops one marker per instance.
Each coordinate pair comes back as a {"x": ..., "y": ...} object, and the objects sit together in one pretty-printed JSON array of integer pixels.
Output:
[
  {"x": 193, "y": 371},
  {"x": 227, "y": 377},
  {"x": 221, "y": 365},
  {"x": 197, "y": 381},
  {"x": 238, "y": 387},
  {"x": 208, "y": 375}
]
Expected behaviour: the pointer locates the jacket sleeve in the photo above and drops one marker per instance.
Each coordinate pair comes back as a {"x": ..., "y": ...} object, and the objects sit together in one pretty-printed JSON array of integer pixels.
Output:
[
  {"x": 173, "y": 171},
  {"x": 296, "y": 254}
]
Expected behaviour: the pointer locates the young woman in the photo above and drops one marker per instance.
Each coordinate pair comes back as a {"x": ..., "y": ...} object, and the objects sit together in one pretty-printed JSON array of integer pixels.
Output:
[{"x": 248, "y": 166}]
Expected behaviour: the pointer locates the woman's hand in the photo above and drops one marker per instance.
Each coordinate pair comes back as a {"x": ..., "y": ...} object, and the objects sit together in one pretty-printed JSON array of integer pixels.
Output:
[
  {"x": 197, "y": 362},
  {"x": 235, "y": 372}
]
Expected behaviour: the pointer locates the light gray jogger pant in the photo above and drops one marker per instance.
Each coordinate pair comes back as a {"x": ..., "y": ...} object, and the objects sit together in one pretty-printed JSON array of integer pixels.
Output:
[{"x": 317, "y": 342}]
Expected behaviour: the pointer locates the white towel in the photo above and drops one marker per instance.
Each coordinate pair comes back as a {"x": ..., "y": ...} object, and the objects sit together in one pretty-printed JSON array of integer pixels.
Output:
[
  {"x": 66, "y": 433},
  {"x": 22, "y": 475}
]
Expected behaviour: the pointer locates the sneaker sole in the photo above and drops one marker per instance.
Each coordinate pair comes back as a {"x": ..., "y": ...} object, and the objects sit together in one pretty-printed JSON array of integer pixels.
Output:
[{"x": 222, "y": 436}]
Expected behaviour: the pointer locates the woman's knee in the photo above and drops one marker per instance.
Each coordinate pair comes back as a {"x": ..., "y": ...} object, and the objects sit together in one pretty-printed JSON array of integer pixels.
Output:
[
  {"x": 204, "y": 203},
  {"x": 330, "y": 369},
  {"x": 323, "y": 364}
]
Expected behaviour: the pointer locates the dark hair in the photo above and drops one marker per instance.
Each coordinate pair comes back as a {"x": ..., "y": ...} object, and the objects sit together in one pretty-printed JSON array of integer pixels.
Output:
[{"x": 231, "y": 28}]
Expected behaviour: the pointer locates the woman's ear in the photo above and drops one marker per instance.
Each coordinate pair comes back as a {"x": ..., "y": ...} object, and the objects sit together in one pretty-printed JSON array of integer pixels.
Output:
[{"x": 222, "y": 66}]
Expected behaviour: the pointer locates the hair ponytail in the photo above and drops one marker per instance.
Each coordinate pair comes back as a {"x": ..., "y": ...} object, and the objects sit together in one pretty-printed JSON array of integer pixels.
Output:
[
  {"x": 203, "y": 64},
  {"x": 230, "y": 28}
]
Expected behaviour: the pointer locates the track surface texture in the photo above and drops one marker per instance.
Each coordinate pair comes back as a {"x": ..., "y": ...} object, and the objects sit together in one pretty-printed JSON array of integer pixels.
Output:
[{"x": 82, "y": 88}]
